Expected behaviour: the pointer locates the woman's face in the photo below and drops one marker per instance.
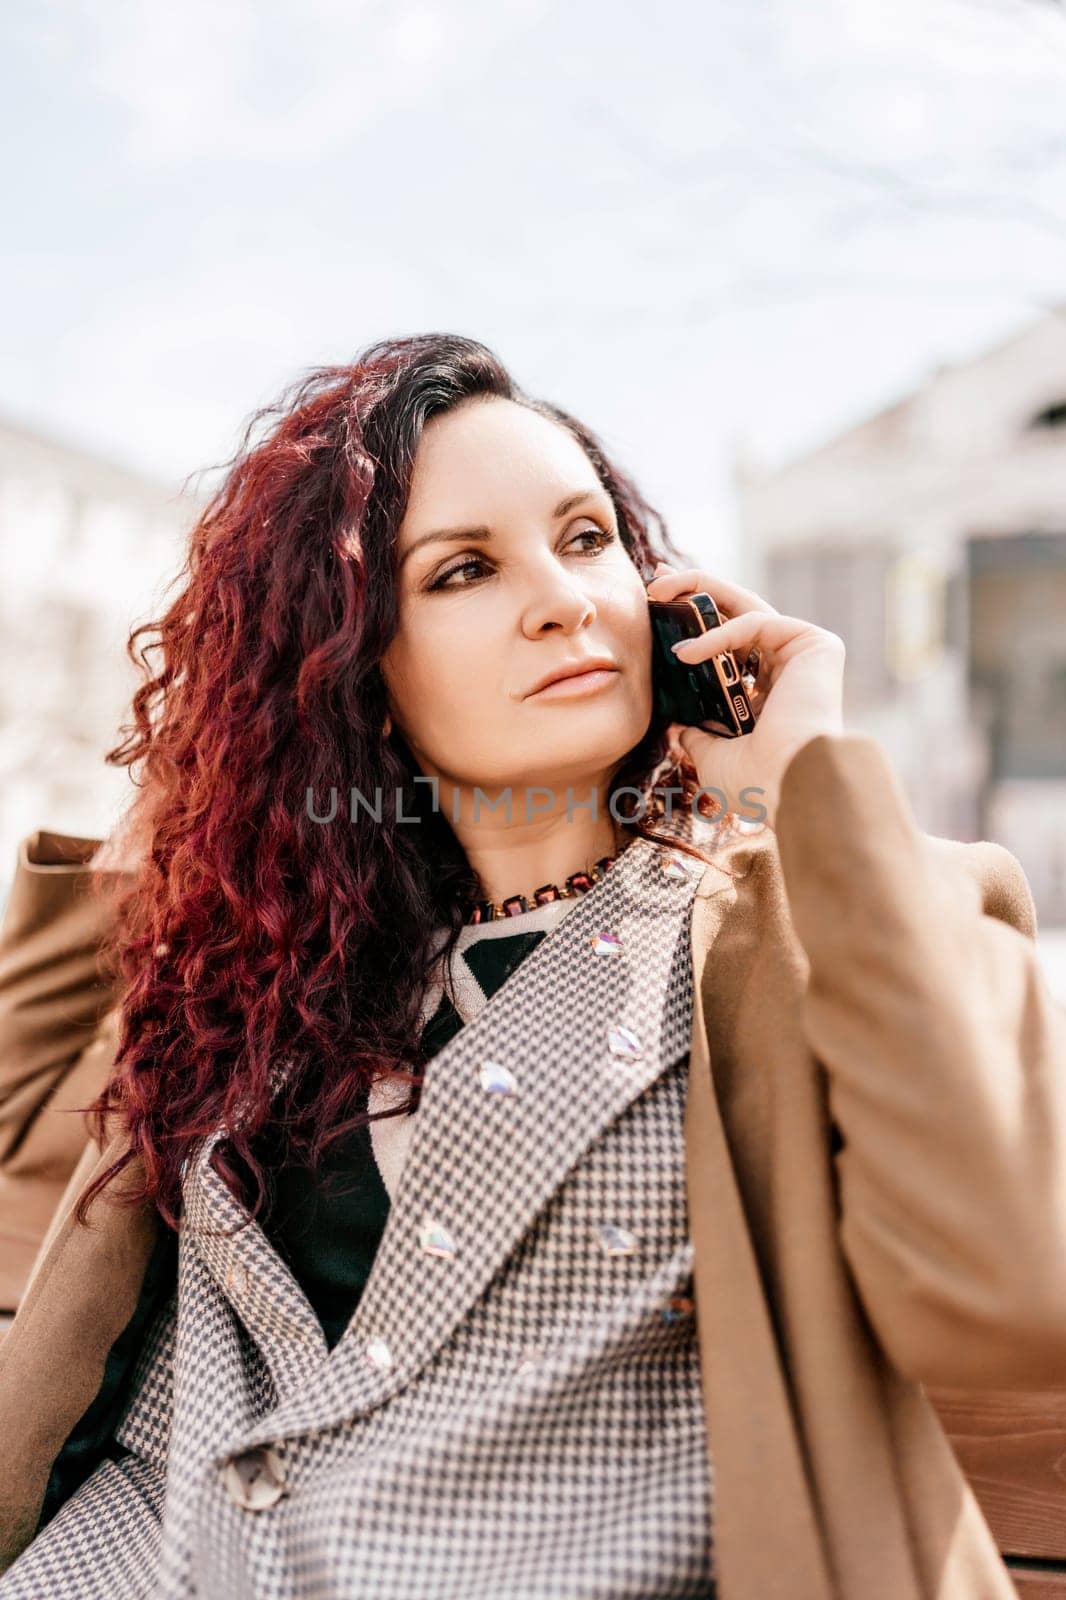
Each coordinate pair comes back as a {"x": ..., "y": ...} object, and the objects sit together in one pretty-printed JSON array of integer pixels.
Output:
[{"x": 486, "y": 616}]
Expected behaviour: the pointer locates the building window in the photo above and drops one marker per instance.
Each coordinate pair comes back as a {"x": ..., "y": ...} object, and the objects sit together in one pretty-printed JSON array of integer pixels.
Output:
[{"x": 1017, "y": 651}]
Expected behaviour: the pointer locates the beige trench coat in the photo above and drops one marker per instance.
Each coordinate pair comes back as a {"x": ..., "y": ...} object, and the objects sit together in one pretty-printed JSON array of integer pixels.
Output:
[{"x": 876, "y": 1172}]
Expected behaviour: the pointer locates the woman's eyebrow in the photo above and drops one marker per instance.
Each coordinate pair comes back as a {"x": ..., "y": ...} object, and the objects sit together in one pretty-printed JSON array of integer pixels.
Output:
[{"x": 460, "y": 535}]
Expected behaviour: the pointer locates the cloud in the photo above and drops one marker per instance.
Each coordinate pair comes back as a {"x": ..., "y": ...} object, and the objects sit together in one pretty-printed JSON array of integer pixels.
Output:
[{"x": 244, "y": 81}]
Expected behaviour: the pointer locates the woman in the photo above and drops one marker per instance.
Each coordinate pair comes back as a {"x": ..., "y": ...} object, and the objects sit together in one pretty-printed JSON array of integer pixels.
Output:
[{"x": 442, "y": 1179}]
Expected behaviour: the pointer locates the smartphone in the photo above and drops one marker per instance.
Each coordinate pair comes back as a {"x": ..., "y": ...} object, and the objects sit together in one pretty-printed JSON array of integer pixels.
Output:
[{"x": 709, "y": 694}]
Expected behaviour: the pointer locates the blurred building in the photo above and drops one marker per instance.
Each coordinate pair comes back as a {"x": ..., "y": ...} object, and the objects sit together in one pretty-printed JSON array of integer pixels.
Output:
[
  {"x": 86, "y": 548},
  {"x": 932, "y": 538}
]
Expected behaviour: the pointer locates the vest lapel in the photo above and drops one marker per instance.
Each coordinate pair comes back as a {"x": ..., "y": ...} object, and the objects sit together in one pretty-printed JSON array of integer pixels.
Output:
[
  {"x": 251, "y": 1274},
  {"x": 483, "y": 1163}
]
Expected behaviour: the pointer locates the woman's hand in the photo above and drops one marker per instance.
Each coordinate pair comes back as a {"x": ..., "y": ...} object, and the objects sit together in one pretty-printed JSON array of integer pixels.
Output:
[{"x": 799, "y": 689}]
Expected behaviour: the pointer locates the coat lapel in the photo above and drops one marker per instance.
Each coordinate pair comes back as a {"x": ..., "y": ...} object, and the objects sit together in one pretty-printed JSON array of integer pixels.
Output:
[
  {"x": 764, "y": 1507},
  {"x": 483, "y": 1162}
]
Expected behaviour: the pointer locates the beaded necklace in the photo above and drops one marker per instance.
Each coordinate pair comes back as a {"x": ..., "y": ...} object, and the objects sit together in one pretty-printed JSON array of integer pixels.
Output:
[{"x": 577, "y": 883}]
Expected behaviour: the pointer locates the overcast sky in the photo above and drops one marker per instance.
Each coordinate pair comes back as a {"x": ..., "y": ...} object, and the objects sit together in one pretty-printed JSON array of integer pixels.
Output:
[{"x": 739, "y": 223}]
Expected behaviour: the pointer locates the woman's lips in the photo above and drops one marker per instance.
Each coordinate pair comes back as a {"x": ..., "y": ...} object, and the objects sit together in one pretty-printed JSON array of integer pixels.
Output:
[{"x": 582, "y": 683}]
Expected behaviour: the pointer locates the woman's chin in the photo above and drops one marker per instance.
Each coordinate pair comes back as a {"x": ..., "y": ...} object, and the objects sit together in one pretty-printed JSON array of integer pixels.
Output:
[{"x": 574, "y": 761}]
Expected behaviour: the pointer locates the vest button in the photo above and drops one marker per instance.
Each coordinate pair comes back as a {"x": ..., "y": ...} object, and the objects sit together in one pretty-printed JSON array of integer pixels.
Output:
[{"x": 255, "y": 1480}]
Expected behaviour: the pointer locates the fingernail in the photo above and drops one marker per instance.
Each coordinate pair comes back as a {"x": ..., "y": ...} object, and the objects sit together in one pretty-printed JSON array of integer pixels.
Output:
[
  {"x": 680, "y": 645},
  {"x": 662, "y": 566}
]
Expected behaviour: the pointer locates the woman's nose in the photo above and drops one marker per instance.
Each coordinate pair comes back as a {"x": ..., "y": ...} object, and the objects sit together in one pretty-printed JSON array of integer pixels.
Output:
[{"x": 563, "y": 604}]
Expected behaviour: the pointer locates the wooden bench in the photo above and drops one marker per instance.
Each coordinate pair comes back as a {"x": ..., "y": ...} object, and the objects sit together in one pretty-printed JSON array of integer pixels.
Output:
[{"x": 1012, "y": 1448}]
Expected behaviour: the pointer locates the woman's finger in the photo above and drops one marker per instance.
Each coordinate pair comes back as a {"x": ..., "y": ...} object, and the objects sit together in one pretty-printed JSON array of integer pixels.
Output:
[
  {"x": 731, "y": 597},
  {"x": 768, "y": 630}
]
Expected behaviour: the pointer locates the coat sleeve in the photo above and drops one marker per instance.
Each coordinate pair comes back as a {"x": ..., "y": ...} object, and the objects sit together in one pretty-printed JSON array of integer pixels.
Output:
[
  {"x": 945, "y": 1056},
  {"x": 64, "y": 1359},
  {"x": 51, "y": 993}
]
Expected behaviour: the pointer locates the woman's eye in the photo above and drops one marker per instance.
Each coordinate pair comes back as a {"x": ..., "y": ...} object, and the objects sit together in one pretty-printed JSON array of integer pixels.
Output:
[
  {"x": 601, "y": 537},
  {"x": 444, "y": 582}
]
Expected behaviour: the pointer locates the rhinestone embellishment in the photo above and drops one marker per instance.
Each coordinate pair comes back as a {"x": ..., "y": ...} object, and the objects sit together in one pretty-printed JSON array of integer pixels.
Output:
[
  {"x": 378, "y": 1354},
  {"x": 531, "y": 1358},
  {"x": 606, "y": 944},
  {"x": 436, "y": 1240},
  {"x": 237, "y": 1277},
  {"x": 677, "y": 868},
  {"x": 624, "y": 1042},
  {"x": 497, "y": 1079},
  {"x": 617, "y": 1241}
]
